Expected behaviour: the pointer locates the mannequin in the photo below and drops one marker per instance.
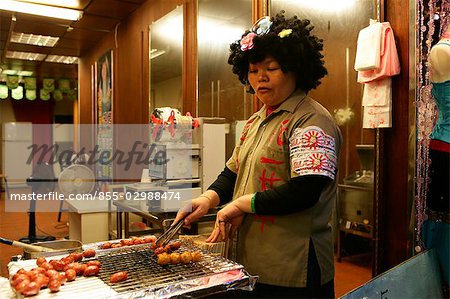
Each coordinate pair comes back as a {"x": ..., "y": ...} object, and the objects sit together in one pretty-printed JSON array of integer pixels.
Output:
[
  {"x": 438, "y": 199},
  {"x": 436, "y": 228}
]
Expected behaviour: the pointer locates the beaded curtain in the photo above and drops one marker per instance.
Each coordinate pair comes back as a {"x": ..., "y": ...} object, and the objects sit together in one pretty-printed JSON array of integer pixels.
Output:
[{"x": 432, "y": 19}]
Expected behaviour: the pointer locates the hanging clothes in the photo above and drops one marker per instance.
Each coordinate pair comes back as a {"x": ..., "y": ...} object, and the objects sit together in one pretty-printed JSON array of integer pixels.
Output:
[{"x": 377, "y": 96}]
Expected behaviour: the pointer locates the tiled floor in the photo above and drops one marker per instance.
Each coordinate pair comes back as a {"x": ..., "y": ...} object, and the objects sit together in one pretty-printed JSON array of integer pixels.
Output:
[{"x": 350, "y": 272}]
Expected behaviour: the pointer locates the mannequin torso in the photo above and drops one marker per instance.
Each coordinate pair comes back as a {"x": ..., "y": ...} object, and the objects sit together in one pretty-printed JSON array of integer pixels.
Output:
[{"x": 440, "y": 59}]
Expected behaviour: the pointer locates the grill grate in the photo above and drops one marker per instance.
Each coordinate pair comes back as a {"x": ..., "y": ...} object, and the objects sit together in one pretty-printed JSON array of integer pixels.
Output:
[{"x": 144, "y": 273}]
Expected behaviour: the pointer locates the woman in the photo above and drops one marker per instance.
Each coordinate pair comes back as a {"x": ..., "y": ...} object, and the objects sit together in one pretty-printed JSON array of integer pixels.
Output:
[{"x": 279, "y": 185}]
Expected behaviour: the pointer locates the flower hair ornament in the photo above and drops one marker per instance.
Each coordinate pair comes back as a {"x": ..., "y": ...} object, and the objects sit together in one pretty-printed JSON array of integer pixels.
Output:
[{"x": 261, "y": 27}]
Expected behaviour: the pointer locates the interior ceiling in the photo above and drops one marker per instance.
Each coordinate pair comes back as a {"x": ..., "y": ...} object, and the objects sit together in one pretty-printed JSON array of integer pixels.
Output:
[{"x": 75, "y": 37}]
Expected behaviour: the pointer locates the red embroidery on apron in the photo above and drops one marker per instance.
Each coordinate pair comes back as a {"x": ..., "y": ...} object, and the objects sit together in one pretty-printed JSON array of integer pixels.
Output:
[
  {"x": 265, "y": 179},
  {"x": 270, "y": 161},
  {"x": 245, "y": 129},
  {"x": 264, "y": 219},
  {"x": 282, "y": 129}
]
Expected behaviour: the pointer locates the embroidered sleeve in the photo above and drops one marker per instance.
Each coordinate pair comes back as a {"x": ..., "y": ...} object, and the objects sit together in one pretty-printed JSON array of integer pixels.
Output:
[{"x": 312, "y": 151}]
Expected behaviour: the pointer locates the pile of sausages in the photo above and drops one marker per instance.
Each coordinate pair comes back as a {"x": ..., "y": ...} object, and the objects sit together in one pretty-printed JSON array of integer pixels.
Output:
[
  {"x": 54, "y": 274},
  {"x": 128, "y": 242}
]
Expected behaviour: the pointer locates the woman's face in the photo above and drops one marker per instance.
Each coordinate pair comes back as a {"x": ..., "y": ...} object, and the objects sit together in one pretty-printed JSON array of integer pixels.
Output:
[{"x": 271, "y": 85}]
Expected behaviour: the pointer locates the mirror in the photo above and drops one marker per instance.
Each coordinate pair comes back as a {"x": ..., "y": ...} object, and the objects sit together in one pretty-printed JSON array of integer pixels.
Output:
[
  {"x": 166, "y": 57},
  {"x": 338, "y": 23}
]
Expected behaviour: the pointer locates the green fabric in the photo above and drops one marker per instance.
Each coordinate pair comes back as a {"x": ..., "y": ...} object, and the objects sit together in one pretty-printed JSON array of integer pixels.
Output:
[{"x": 253, "y": 203}]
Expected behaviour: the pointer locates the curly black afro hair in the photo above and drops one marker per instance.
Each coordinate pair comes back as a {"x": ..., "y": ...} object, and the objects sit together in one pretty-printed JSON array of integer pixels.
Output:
[{"x": 298, "y": 52}]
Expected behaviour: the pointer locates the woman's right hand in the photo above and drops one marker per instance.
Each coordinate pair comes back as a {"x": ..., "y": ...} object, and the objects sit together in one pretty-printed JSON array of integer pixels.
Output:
[{"x": 199, "y": 207}]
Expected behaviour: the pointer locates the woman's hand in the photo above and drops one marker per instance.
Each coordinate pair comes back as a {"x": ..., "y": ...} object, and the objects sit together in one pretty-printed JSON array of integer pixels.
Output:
[
  {"x": 229, "y": 218},
  {"x": 198, "y": 207}
]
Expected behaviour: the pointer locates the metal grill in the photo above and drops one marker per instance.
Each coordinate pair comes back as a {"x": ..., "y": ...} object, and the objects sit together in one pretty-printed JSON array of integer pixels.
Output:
[{"x": 144, "y": 273}]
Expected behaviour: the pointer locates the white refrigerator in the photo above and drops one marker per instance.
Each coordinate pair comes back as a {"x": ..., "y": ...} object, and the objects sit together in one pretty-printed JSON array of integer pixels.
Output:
[{"x": 17, "y": 137}]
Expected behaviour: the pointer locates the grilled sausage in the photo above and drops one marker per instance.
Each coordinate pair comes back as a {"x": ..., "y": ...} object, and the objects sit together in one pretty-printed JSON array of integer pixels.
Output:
[
  {"x": 31, "y": 289},
  {"x": 149, "y": 239},
  {"x": 22, "y": 285},
  {"x": 94, "y": 263},
  {"x": 175, "y": 245},
  {"x": 67, "y": 260},
  {"x": 51, "y": 273},
  {"x": 118, "y": 277},
  {"x": 57, "y": 265},
  {"x": 46, "y": 266},
  {"x": 71, "y": 274},
  {"x": 54, "y": 285},
  {"x": 88, "y": 253},
  {"x": 106, "y": 245},
  {"x": 18, "y": 278},
  {"x": 42, "y": 280},
  {"x": 76, "y": 256},
  {"x": 40, "y": 260},
  {"x": 159, "y": 250},
  {"x": 91, "y": 271}
]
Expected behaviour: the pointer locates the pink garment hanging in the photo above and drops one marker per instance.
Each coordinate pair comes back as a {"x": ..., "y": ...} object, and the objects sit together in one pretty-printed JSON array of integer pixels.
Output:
[{"x": 389, "y": 64}]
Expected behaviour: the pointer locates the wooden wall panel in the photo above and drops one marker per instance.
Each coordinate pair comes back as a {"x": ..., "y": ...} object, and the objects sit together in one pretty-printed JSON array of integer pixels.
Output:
[{"x": 394, "y": 176}]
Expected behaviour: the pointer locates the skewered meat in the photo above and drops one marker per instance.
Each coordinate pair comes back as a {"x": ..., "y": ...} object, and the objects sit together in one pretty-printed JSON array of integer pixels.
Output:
[
  {"x": 164, "y": 258},
  {"x": 175, "y": 258},
  {"x": 196, "y": 256},
  {"x": 186, "y": 257},
  {"x": 118, "y": 277}
]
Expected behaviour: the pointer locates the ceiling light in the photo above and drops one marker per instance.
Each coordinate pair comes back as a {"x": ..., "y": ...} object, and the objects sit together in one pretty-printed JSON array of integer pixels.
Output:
[
  {"x": 62, "y": 59},
  {"x": 31, "y": 39},
  {"x": 41, "y": 10},
  {"x": 9, "y": 72},
  {"x": 25, "y": 73},
  {"x": 25, "y": 55},
  {"x": 62, "y": 3}
]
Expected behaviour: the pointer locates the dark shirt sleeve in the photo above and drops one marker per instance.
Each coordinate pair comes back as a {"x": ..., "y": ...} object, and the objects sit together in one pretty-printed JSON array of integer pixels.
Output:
[
  {"x": 224, "y": 185},
  {"x": 297, "y": 194}
]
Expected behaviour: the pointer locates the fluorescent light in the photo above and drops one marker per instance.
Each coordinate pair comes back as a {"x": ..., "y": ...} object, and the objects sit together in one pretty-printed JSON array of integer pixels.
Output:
[
  {"x": 41, "y": 10},
  {"x": 62, "y": 59},
  {"x": 25, "y": 73},
  {"x": 31, "y": 39},
  {"x": 62, "y": 3},
  {"x": 9, "y": 72},
  {"x": 25, "y": 55}
]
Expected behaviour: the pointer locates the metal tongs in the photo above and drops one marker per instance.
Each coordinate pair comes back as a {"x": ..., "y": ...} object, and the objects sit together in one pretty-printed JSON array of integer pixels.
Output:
[{"x": 165, "y": 237}]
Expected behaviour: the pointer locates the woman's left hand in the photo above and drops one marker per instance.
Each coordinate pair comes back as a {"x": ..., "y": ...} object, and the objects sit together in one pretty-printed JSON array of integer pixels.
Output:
[
  {"x": 227, "y": 221},
  {"x": 230, "y": 217}
]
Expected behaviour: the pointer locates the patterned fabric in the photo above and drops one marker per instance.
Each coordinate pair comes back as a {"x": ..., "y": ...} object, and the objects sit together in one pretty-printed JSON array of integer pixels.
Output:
[
  {"x": 313, "y": 152},
  {"x": 273, "y": 149}
]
